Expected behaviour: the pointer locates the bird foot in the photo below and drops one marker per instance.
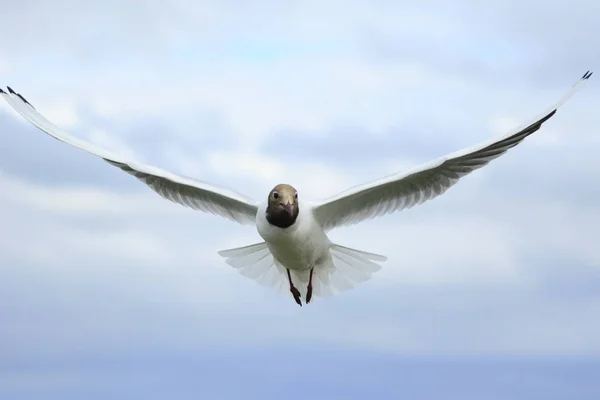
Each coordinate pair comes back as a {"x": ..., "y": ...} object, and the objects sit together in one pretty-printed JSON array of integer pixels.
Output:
[
  {"x": 309, "y": 287},
  {"x": 296, "y": 294}
]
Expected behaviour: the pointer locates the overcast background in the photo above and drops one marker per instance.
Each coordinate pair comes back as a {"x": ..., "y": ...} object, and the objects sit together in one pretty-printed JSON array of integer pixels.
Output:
[{"x": 491, "y": 291}]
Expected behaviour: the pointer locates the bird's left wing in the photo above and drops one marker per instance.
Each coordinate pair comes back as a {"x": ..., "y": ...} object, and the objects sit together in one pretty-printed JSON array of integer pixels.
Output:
[
  {"x": 185, "y": 191},
  {"x": 423, "y": 182}
]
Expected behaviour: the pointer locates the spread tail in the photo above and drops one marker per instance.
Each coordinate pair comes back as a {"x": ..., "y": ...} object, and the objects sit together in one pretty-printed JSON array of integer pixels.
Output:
[
  {"x": 348, "y": 268},
  {"x": 255, "y": 262},
  {"x": 345, "y": 269}
]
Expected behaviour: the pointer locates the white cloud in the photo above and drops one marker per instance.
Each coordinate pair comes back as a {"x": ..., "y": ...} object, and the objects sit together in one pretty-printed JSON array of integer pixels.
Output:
[
  {"x": 246, "y": 165},
  {"x": 110, "y": 142},
  {"x": 79, "y": 200},
  {"x": 60, "y": 112},
  {"x": 4, "y": 66},
  {"x": 312, "y": 179}
]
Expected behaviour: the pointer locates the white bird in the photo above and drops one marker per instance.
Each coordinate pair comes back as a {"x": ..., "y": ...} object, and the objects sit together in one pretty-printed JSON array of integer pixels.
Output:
[{"x": 296, "y": 251}]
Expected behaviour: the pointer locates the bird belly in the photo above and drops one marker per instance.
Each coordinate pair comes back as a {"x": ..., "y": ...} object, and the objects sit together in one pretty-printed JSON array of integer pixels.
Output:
[
  {"x": 301, "y": 246},
  {"x": 296, "y": 254}
]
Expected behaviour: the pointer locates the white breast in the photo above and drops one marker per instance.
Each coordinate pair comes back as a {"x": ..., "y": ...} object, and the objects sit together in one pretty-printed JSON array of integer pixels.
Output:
[{"x": 301, "y": 246}]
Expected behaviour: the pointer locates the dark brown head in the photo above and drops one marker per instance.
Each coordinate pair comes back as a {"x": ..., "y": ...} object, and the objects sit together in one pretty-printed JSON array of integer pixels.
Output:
[{"x": 282, "y": 209}]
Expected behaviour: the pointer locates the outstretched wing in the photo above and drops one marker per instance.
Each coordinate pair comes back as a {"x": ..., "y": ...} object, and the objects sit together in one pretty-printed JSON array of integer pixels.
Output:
[
  {"x": 185, "y": 191},
  {"x": 424, "y": 182}
]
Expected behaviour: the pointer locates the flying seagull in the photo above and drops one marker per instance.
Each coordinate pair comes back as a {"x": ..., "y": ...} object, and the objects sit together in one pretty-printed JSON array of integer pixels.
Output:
[{"x": 296, "y": 254}]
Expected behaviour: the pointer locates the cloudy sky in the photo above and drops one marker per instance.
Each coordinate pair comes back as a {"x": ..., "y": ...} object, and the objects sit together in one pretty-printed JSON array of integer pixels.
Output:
[{"x": 108, "y": 291}]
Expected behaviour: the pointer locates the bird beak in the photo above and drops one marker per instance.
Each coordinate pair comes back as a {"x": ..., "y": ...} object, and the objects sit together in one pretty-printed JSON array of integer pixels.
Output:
[{"x": 289, "y": 208}]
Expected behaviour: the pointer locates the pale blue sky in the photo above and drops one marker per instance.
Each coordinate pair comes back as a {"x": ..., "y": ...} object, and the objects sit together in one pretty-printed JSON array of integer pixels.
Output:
[{"x": 108, "y": 291}]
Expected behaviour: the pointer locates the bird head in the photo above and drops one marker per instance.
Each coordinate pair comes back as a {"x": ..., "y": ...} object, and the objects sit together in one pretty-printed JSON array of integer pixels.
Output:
[{"x": 282, "y": 208}]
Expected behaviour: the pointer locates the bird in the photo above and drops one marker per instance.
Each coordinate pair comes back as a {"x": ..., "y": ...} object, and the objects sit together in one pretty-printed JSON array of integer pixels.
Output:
[{"x": 295, "y": 255}]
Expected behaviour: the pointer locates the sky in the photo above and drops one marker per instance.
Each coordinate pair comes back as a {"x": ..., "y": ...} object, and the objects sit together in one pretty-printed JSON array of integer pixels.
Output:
[{"x": 490, "y": 291}]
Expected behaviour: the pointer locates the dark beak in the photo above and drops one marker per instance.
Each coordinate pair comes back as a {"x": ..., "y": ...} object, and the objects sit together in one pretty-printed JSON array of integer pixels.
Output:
[{"x": 289, "y": 208}]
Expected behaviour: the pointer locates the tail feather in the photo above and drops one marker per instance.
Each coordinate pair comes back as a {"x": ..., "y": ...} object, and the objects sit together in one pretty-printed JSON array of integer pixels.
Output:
[
  {"x": 257, "y": 269},
  {"x": 358, "y": 253},
  {"x": 351, "y": 271},
  {"x": 244, "y": 250},
  {"x": 347, "y": 268},
  {"x": 357, "y": 262},
  {"x": 248, "y": 260},
  {"x": 342, "y": 271},
  {"x": 255, "y": 262}
]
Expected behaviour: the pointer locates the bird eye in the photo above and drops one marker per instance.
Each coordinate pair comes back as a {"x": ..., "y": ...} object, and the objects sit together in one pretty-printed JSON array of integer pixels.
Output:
[
  {"x": 275, "y": 195},
  {"x": 296, "y": 195}
]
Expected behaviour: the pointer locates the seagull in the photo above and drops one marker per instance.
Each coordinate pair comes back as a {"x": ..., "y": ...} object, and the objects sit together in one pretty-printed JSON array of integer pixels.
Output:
[{"x": 295, "y": 255}]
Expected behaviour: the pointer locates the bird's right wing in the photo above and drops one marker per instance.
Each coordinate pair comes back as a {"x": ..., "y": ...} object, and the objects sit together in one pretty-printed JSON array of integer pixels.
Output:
[
  {"x": 423, "y": 182},
  {"x": 185, "y": 191}
]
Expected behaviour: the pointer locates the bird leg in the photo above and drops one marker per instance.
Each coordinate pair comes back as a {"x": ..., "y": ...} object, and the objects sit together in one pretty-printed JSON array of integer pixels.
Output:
[
  {"x": 309, "y": 288},
  {"x": 294, "y": 290}
]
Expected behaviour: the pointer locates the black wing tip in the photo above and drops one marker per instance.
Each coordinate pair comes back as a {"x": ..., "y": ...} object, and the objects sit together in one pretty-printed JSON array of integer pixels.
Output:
[
  {"x": 587, "y": 75},
  {"x": 11, "y": 91},
  {"x": 23, "y": 98},
  {"x": 2, "y": 91}
]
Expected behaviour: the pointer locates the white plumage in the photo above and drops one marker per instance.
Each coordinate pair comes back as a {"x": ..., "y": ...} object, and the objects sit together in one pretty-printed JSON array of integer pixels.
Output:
[{"x": 304, "y": 246}]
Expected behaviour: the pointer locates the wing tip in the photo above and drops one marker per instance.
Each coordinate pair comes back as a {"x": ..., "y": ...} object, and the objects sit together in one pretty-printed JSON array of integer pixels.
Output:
[
  {"x": 11, "y": 91},
  {"x": 587, "y": 75},
  {"x": 24, "y": 99}
]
